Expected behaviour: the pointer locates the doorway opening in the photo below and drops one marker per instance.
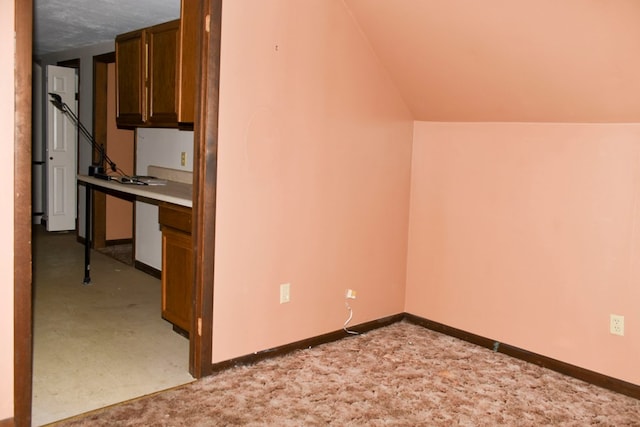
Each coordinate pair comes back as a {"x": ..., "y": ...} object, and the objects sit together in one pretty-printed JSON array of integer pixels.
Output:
[
  {"x": 104, "y": 343},
  {"x": 204, "y": 190}
]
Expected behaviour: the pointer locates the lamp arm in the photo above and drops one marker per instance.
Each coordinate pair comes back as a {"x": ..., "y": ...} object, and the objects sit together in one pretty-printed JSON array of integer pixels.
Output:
[{"x": 62, "y": 106}]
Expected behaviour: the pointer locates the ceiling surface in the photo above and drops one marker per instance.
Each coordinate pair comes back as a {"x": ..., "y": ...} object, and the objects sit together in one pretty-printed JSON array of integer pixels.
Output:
[
  {"x": 506, "y": 60},
  {"x": 61, "y": 25}
]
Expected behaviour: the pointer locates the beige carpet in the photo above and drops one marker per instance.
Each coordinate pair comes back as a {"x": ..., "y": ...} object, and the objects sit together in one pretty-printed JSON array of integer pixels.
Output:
[
  {"x": 400, "y": 375},
  {"x": 100, "y": 344}
]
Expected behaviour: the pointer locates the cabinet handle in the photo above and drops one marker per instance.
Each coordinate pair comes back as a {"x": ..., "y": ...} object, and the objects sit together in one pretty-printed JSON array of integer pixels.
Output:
[
  {"x": 146, "y": 62},
  {"x": 145, "y": 103}
]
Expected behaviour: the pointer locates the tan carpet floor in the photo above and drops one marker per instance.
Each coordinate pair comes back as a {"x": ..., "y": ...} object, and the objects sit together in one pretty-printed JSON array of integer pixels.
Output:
[
  {"x": 100, "y": 344},
  {"x": 399, "y": 375}
]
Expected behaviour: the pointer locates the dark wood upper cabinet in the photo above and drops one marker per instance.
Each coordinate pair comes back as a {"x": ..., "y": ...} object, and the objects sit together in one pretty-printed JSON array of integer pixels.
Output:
[
  {"x": 156, "y": 73},
  {"x": 189, "y": 16},
  {"x": 163, "y": 44},
  {"x": 147, "y": 76},
  {"x": 131, "y": 109}
]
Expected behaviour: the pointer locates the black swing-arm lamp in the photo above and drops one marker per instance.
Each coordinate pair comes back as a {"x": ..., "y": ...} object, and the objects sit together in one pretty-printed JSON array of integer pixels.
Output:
[{"x": 97, "y": 170}]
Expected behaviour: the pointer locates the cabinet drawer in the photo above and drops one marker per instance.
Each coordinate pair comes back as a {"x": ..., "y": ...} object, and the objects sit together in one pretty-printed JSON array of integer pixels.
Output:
[{"x": 174, "y": 216}]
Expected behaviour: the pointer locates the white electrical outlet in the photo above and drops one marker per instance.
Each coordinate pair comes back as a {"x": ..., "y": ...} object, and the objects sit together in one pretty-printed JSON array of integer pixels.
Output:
[
  {"x": 285, "y": 293},
  {"x": 350, "y": 294},
  {"x": 616, "y": 324},
  {"x": 183, "y": 158}
]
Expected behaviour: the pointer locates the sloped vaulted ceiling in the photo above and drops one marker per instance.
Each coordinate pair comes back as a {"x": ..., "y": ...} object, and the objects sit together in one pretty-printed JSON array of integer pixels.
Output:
[
  {"x": 452, "y": 60},
  {"x": 509, "y": 60}
]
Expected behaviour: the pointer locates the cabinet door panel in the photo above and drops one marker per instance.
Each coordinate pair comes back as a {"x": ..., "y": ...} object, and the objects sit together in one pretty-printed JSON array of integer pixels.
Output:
[
  {"x": 164, "y": 47},
  {"x": 156, "y": 73},
  {"x": 189, "y": 19},
  {"x": 177, "y": 277},
  {"x": 130, "y": 81}
]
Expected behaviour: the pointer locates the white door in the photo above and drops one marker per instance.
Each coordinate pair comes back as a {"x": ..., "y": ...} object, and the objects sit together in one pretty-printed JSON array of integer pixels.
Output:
[{"x": 61, "y": 149}]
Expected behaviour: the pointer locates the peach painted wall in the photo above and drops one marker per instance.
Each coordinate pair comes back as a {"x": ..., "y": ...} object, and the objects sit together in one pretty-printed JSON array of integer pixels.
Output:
[
  {"x": 7, "y": 95},
  {"x": 529, "y": 234},
  {"x": 120, "y": 150},
  {"x": 313, "y": 176}
]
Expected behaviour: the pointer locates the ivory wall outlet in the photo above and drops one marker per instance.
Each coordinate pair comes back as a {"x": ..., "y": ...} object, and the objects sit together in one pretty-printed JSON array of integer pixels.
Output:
[
  {"x": 616, "y": 325},
  {"x": 285, "y": 293}
]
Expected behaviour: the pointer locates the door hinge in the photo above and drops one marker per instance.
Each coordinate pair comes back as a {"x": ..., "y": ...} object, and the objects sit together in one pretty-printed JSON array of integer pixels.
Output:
[
  {"x": 199, "y": 326},
  {"x": 207, "y": 23}
]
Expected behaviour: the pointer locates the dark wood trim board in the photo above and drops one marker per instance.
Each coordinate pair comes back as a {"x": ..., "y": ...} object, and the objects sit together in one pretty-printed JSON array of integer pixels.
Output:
[
  {"x": 306, "y": 343},
  {"x": 600, "y": 380},
  {"x": 568, "y": 369},
  {"x": 22, "y": 281},
  {"x": 204, "y": 187},
  {"x": 151, "y": 271},
  {"x": 116, "y": 242}
]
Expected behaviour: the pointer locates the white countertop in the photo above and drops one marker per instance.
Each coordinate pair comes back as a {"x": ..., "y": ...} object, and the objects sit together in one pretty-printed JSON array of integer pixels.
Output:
[{"x": 172, "y": 192}]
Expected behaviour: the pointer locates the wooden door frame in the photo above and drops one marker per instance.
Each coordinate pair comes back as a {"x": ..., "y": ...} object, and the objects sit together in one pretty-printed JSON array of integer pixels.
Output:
[
  {"x": 205, "y": 157},
  {"x": 204, "y": 187},
  {"x": 22, "y": 276}
]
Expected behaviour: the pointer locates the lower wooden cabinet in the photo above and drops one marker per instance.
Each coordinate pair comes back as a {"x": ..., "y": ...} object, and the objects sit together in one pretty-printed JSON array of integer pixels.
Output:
[{"x": 177, "y": 265}]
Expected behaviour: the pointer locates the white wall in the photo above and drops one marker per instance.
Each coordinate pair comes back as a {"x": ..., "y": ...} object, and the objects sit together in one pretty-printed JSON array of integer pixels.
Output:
[{"x": 157, "y": 147}]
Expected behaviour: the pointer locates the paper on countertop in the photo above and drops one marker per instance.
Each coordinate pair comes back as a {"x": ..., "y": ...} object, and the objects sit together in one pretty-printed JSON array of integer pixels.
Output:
[{"x": 149, "y": 180}]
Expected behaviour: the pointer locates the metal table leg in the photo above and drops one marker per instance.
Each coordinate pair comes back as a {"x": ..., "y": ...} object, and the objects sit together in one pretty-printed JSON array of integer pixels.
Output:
[{"x": 87, "y": 238}]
